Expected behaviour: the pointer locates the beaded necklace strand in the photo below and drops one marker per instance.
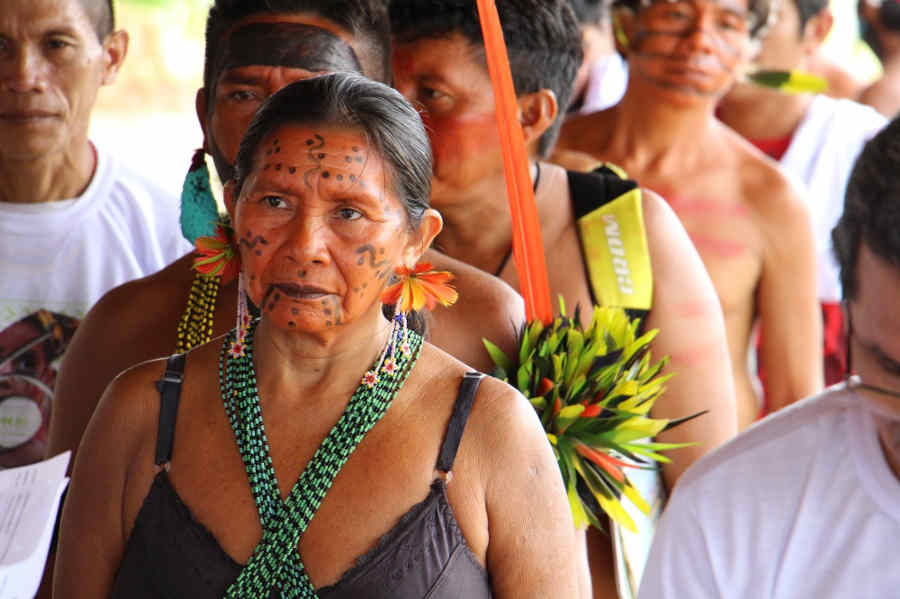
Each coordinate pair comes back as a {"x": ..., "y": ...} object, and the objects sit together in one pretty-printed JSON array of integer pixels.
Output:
[{"x": 275, "y": 563}]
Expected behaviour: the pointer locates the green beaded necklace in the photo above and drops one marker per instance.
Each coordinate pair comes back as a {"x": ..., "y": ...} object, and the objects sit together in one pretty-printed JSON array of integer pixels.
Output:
[{"x": 275, "y": 563}]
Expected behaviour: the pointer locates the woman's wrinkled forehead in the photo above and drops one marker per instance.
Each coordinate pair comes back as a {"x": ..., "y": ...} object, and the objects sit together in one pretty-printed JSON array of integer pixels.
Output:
[{"x": 286, "y": 44}]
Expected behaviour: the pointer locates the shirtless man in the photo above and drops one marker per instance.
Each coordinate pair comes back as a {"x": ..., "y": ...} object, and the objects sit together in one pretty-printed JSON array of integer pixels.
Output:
[
  {"x": 815, "y": 138},
  {"x": 439, "y": 64},
  {"x": 745, "y": 218},
  {"x": 252, "y": 53}
]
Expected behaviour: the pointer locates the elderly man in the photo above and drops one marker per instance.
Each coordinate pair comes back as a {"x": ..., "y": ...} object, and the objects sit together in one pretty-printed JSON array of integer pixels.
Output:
[
  {"x": 745, "y": 218},
  {"x": 807, "y": 503},
  {"x": 74, "y": 222}
]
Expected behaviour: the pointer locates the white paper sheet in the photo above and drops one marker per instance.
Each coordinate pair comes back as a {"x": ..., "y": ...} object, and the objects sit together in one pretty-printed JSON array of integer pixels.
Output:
[{"x": 29, "y": 501}]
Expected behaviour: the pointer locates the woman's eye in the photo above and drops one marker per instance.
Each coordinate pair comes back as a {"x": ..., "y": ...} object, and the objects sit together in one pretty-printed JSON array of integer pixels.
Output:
[
  {"x": 349, "y": 214},
  {"x": 274, "y": 201}
]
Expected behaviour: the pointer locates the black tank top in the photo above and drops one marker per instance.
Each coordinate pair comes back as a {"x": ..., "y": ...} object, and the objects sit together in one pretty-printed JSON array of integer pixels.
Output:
[{"x": 170, "y": 555}]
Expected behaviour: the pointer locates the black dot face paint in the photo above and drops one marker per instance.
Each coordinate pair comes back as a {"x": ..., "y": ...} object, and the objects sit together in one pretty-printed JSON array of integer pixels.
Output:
[
  {"x": 292, "y": 169},
  {"x": 251, "y": 242}
]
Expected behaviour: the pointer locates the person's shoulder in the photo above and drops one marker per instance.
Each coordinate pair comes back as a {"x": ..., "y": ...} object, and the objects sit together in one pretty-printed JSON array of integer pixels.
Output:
[
  {"x": 144, "y": 301},
  {"x": 792, "y": 433},
  {"x": 137, "y": 185},
  {"x": 496, "y": 401},
  {"x": 858, "y": 120},
  {"x": 775, "y": 196},
  {"x": 585, "y": 132}
]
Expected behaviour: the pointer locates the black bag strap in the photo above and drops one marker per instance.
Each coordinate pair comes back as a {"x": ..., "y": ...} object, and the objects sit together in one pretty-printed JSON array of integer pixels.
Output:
[
  {"x": 468, "y": 387},
  {"x": 169, "y": 387},
  {"x": 591, "y": 190}
]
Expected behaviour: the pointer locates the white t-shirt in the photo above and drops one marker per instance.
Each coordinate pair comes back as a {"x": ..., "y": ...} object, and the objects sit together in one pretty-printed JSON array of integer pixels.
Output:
[
  {"x": 803, "y": 505},
  {"x": 821, "y": 154},
  {"x": 56, "y": 260}
]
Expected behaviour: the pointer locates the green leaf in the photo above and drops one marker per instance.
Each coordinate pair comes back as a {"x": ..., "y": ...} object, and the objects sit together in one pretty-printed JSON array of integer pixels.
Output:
[
  {"x": 792, "y": 82},
  {"x": 497, "y": 355}
]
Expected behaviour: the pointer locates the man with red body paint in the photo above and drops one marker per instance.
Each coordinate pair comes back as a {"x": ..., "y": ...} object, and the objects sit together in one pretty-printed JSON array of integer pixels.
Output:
[{"x": 746, "y": 219}]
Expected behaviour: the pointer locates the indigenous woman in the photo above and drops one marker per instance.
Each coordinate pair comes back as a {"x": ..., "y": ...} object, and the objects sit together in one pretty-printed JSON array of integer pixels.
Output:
[{"x": 412, "y": 479}]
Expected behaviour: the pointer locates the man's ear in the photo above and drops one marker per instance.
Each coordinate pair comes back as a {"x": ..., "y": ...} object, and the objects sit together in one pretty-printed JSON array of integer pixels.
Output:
[
  {"x": 817, "y": 29},
  {"x": 429, "y": 227},
  {"x": 200, "y": 105},
  {"x": 231, "y": 197},
  {"x": 537, "y": 112},
  {"x": 115, "y": 47}
]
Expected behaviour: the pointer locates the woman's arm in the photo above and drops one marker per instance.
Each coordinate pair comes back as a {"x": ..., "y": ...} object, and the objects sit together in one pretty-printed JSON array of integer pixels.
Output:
[
  {"x": 93, "y": 530},
  {"x": 532, "y": 536}
]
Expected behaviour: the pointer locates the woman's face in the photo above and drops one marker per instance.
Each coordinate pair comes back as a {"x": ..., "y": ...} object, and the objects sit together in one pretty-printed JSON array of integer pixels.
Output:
[{"x": 319, "y": 227}]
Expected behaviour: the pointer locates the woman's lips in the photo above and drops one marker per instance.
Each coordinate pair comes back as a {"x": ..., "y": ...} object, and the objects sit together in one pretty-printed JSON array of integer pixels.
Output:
[{"x": 301, "y": 292}]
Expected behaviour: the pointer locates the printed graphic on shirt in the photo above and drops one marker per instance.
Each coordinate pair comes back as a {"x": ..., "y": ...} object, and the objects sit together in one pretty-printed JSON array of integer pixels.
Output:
[{"x": 30, "y": 353}]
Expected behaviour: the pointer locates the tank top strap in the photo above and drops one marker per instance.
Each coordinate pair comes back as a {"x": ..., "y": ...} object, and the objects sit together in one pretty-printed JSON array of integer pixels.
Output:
[
  {"x": 461, "y": 409},
  {"x": 169, "y": 387}
]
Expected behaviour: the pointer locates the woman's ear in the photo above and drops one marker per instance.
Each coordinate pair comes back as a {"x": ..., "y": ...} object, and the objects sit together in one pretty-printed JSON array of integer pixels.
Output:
[
  {"x": 429, "y": 227},
  {"x": 537, "y": 113}
]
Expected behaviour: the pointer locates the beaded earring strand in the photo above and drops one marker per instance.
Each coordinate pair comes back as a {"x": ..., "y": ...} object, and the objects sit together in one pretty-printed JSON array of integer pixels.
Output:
[{"x": 216, "y": 262}]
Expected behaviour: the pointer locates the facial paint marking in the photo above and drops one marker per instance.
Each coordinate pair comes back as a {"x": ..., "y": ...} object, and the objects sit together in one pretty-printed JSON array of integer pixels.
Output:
[
  {"x": 370, "y": 251},
  {"x": 292, "y": 169},
  {"x": 314, "y": 157}
]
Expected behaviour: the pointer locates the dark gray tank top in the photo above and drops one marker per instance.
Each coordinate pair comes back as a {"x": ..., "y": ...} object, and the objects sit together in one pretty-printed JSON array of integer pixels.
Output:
[{"x": 170, "y": 555}]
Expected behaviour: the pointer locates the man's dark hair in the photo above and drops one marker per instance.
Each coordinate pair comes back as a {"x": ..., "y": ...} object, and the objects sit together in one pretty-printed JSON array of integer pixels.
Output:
[
  {"x": 542, "y": 36},
  {"x": 391, "y": 125},
  {"x": 101, "y": 15},
  {"x": 365, "y": 19},
  {"x": 760, "y": 13},
  {"x": 871, "y": 207},
  {"x": 807, "y": 9},
  {"x": 589, "y": 12}
]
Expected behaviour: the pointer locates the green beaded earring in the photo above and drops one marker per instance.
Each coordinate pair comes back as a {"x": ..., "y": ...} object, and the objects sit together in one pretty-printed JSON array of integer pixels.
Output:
[{"x": 199, "y": 212}]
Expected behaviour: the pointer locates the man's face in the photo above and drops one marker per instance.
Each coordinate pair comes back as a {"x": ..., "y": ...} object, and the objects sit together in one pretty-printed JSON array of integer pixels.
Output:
[
  {"x": 446, "y": 79},
  {"x": 875, "y": 318},
  {"x": 51, "y": 66},
  {"x": 690, "y": 48},
  {"x": 261, "y": 55}
]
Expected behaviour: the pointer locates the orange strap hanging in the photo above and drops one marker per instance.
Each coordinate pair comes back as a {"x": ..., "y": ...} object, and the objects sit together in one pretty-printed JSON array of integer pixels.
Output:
[{"x": 528, "y": 248}]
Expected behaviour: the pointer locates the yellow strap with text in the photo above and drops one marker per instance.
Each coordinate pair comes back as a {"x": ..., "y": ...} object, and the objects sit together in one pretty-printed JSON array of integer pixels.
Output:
[{"x": 616, "y": 253}]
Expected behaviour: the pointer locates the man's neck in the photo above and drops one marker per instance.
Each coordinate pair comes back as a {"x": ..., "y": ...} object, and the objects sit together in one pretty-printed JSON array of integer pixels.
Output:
[
  {"x": 652, "y": 131},
  {"x": 58, "y": 176},
  {"x": 764, "y": 114},
  {"x": 478, "y": 230}
]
